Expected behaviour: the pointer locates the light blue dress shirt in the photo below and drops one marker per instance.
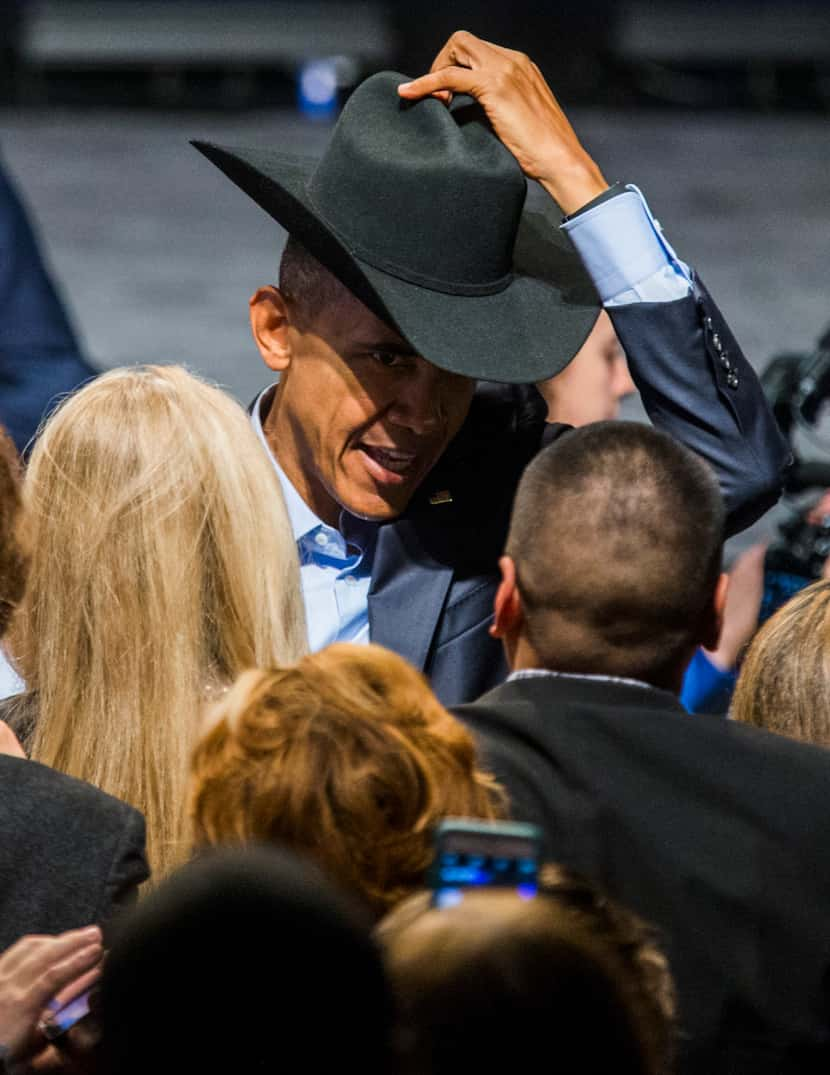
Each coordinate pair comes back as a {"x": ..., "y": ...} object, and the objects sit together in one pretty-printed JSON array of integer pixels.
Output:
[
  {"x": 628, "y": 259},
  {"x": 335, "y": 565}
]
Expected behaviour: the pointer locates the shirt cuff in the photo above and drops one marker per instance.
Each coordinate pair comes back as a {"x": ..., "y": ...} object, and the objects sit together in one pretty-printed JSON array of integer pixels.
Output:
[
  {"x": 625, "y": 252},
  {"x": 706, "y": 687}
]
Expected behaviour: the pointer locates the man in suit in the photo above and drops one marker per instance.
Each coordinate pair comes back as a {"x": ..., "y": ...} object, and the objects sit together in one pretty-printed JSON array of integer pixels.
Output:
[
  {"x": 716, "y": 832},
  {"x": 40, "y": 358},
  {"x": 413, "y": 269},
  {"x": 69, "y": 854}
]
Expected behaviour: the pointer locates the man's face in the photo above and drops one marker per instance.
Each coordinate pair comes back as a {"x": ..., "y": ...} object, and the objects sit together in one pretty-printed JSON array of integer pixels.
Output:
[
  {"x": 590, "y": 387},
  {"x": 359, "y": 419}
]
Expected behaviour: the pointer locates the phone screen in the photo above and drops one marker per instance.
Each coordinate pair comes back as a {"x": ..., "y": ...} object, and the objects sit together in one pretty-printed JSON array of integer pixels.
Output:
[
  {"x": 475, "y": 858},
  {"x": 62, "y": 1019}
]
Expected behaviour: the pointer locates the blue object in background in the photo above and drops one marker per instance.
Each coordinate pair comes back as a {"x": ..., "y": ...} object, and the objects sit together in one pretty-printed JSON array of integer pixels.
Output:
[
  {"x": 707, "y": 688},
  {"x": 40, "y": 359},
  {"x": 317, "y": 86}
]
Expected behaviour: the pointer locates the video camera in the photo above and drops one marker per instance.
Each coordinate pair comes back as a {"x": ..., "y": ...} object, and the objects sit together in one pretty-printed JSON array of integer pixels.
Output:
[{"x": 797, "y": 386}]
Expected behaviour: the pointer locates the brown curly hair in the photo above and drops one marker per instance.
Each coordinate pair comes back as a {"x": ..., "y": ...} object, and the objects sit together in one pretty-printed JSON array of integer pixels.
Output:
[
  {"x": 14, "y": 553},
  {"x": 346, "y": 756}
]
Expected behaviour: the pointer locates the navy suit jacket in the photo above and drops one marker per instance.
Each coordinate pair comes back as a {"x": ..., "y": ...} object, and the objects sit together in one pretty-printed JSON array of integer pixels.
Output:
[
  {"x": 434, "y": 575},
  {"x": 39, "y": 355}
]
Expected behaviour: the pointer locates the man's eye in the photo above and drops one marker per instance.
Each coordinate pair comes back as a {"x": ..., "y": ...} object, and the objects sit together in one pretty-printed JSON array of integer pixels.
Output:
[{"x": 388, "y": 358}]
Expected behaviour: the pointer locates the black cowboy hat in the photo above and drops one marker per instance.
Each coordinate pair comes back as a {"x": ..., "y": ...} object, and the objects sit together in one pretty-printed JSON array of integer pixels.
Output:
[{"x": 420, "y": 211}]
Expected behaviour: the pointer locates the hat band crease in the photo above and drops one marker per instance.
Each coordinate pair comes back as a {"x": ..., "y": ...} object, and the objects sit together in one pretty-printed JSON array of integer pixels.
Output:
[{"x": 410, "y": 276}]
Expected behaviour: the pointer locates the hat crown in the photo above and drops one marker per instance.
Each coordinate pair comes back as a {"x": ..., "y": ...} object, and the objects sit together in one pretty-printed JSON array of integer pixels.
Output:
[{"x": 423, "y": 192}]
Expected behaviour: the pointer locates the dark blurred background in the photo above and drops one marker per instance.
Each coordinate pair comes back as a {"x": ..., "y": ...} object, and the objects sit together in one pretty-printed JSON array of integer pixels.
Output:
[{"x": 718, "y": 110}]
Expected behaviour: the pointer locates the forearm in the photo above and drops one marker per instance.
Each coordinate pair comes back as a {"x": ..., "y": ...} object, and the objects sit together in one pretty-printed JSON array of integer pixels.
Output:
[
  {"x": 697, "y": 385},
  {"x": 693, "y": 378}
]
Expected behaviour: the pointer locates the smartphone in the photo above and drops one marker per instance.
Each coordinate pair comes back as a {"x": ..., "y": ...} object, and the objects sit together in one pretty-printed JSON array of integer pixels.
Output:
[
  {"x": 63, "y": 1018},
  {"x": 483, "y": 854}
]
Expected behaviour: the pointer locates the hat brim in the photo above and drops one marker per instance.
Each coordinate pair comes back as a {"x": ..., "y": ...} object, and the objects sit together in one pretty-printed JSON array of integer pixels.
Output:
[{"x": 528, "y": 331}]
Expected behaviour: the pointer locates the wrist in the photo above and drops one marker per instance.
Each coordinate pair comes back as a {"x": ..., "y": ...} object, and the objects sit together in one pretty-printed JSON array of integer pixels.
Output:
[
  {"x": 574, "y": 184},
  {"x": 725, "y": 657}
]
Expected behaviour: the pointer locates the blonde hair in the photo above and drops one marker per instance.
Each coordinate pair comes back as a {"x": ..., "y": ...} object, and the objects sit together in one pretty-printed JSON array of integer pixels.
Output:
[
  {"x": 349, "y": 757},
  {"x": 784, "y": 685},
  {"x": 163, "y": 564}
]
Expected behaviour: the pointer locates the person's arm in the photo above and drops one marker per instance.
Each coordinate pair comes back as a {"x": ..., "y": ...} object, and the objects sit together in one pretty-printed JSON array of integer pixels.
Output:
[
  {"x": 129, "y": 867},
  {"x": 33, "y": 971},
  {"x": 40, "y": 357},
  {"x": 694, "y": 380}
]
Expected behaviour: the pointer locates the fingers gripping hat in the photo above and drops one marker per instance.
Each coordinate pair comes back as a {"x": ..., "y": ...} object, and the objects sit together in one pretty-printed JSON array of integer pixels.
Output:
[{"x": 420, "y": 211}]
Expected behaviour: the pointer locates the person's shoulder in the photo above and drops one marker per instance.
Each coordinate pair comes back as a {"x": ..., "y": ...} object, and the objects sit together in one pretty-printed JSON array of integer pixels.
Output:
[
  {"x": 462, "y": 508},
  {"x": 802, "y": 768},
  {"x": 29, "y": 787}
]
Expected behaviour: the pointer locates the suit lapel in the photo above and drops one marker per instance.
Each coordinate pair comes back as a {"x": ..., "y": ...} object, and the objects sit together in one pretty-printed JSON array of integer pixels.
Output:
[{"x": 407, "y": 594}]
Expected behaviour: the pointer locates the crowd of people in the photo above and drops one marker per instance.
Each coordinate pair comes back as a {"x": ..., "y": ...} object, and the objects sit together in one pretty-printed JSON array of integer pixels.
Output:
[{"x": 266, "y": 655}]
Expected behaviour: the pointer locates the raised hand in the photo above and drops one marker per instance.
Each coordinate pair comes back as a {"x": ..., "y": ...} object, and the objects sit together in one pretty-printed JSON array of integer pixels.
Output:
[{"x": 523, "y": 111}]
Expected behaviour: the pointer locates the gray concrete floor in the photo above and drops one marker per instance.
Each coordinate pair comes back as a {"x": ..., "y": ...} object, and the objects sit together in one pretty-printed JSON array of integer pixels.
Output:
[{"x": 157, "y": 253}]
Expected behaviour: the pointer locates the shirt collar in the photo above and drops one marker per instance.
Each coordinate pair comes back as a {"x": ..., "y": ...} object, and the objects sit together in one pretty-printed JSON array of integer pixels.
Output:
[
  {"x": 533, "y": 673},
  {"x": 303, "y": 519}
]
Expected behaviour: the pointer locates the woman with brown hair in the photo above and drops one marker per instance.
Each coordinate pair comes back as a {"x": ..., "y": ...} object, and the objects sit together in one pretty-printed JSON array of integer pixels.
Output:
[
  {"x": 349, "y": 757},
  {"x": 163, "y": 564},
  {"x": 784, "y": 685},
  {"x": 498, "y": 981}
]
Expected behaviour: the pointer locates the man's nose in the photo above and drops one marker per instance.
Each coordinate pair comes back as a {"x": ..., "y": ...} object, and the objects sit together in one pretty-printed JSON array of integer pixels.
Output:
[
  {"x": 417, "y": 404},
  {"x": 622, "y": 380}
]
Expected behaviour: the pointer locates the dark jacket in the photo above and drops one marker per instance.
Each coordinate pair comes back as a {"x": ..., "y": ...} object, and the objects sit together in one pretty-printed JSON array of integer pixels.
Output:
[
  {"x": 435, "y": 574},
  {"x": 70, "y": 855},
  {"x": 40, "y": 359},
  {"x": 715, "y": 831}
]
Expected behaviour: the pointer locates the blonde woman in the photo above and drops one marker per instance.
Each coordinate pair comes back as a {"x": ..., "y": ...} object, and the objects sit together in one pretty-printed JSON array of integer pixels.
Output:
[
  {"x": 163, "y": 565},
  {"x": 784, "y": 685}
]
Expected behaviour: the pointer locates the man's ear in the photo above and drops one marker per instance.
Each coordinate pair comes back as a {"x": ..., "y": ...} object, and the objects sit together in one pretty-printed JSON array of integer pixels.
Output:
[
  {"x": 270, "y": 324},
  {"x": 714, "y": 624},
  {"x": 507, "y": 606}
]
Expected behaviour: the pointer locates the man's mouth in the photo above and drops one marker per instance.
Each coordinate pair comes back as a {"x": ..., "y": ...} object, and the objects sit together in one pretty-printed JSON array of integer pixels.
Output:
[{"x": 390, "y": 465}]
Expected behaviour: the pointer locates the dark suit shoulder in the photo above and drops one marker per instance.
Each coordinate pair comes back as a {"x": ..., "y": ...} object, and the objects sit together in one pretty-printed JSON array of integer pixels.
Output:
[
  {"x": 69, "y": 853},
  {"x": 462, "y": 510},
  {"x": 715, "y": 832},
  {"x": 646, "y": 734}
]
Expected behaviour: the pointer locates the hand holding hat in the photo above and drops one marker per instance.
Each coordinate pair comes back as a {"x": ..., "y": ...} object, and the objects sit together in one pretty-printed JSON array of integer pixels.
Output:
[{"x": 522, "y": 110}]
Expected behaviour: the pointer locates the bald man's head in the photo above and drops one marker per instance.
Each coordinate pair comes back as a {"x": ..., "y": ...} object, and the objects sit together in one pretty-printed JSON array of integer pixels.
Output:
[{"x": 616, "y": 537}]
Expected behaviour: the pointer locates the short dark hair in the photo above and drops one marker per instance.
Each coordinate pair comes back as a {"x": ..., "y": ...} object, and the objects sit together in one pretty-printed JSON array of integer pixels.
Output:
[
  {"x": 492, "y": 982},
  {"x": 14, "y": 556},
  {"x": 617, "y": 531},
  {"x": 306, "y": 283},
  {"x": 204, "y": 935}
]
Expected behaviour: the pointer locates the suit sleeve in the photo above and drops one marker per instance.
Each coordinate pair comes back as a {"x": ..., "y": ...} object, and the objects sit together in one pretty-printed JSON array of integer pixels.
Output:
[
  {"x": 697, "y": 385},
  {"x": 128, "y": 869},
  {"x": 694, "y": 380},
  {"x": 40, "y": 358}
]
